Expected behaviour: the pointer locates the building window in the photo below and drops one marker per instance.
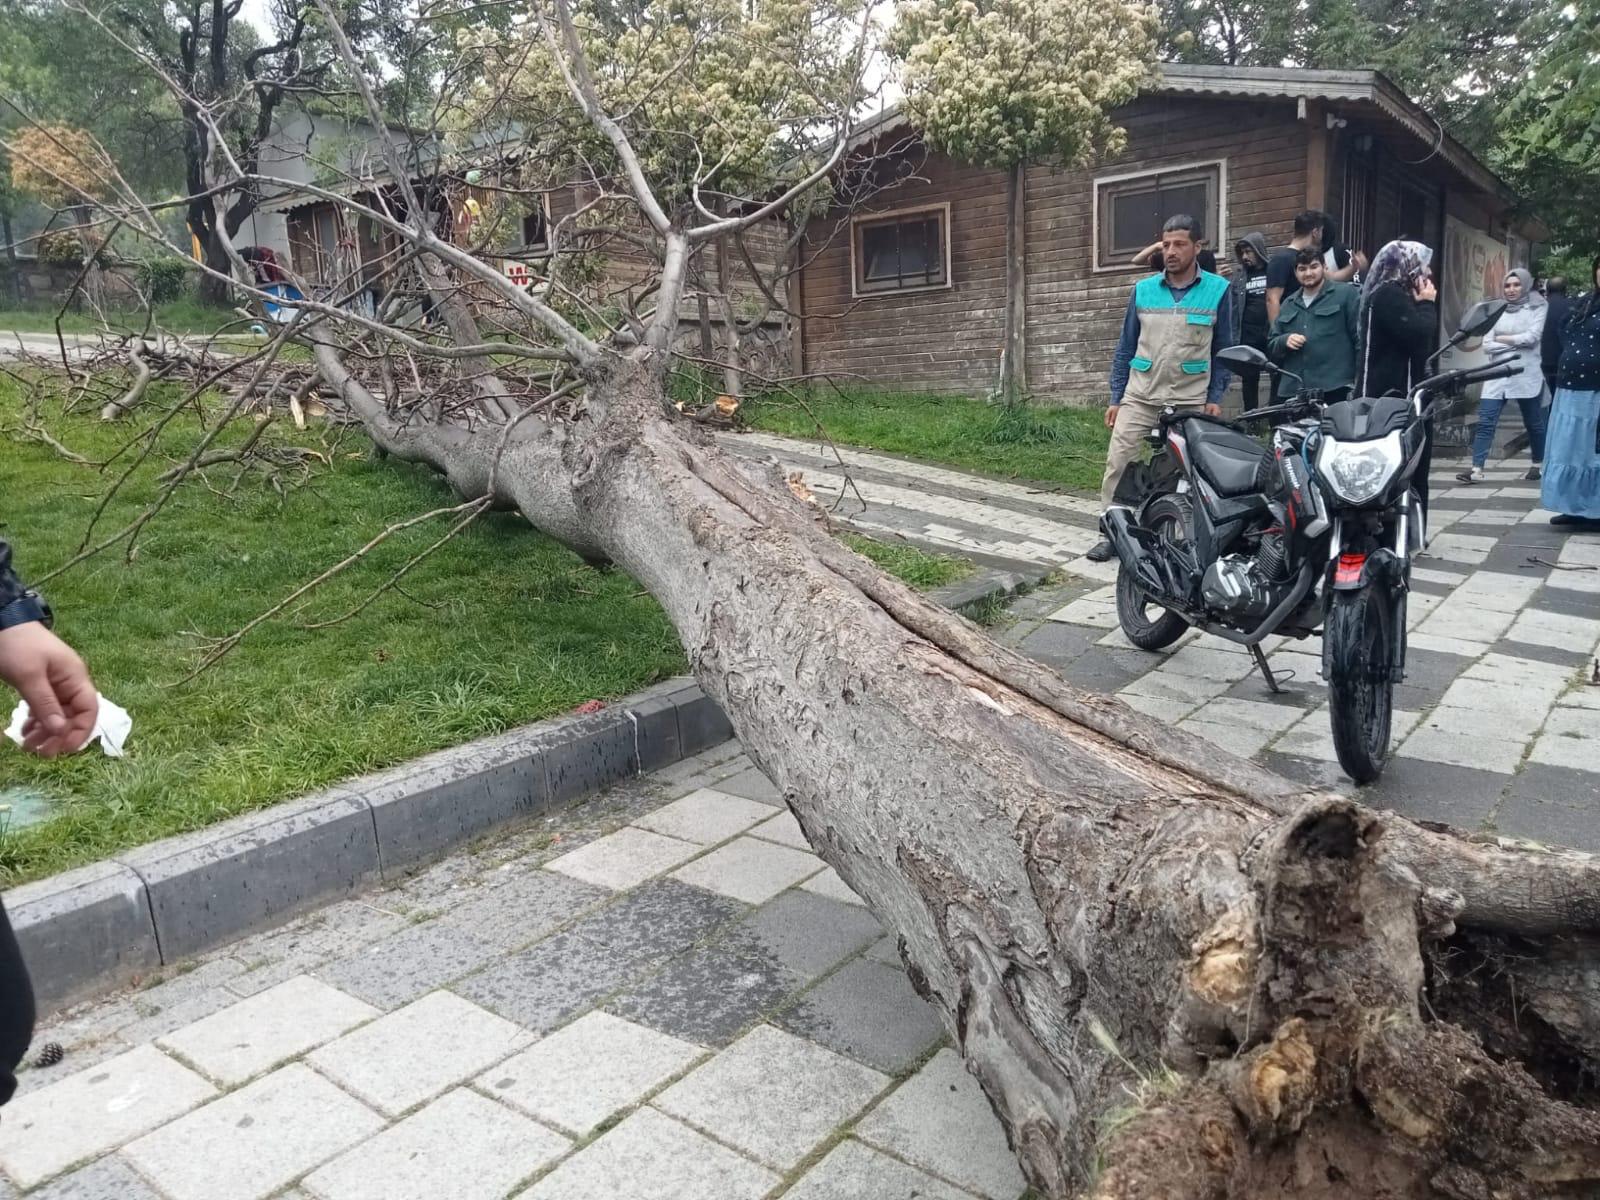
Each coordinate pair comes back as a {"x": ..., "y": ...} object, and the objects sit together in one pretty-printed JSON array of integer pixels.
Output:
[
  {"x": 901, "y": 251},
  {"x": 1129, "y": 210},
  {"x": 536, "y": 229}
]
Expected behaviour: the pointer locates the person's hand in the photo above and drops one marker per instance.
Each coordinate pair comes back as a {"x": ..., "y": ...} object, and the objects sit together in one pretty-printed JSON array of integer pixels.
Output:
[
  {"x": 1111, "y": 415},
  {"x": 1425, "y": 291},
  {"x": 1213, "y": 410},
  {"x": 62, "y": 701},
  {"x": 1296, "y": 340}
]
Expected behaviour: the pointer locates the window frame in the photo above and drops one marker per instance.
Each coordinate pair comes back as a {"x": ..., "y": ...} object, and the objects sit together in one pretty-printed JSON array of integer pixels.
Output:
[
  {"x": 542, "y": 247},
  {"x": 1218, "y": 235},
  {"x": 897, "y": 216}
]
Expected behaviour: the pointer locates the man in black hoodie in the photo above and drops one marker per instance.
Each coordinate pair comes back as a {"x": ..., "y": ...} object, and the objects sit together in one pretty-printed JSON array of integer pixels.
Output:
[{"x": 1249, "y": 303}]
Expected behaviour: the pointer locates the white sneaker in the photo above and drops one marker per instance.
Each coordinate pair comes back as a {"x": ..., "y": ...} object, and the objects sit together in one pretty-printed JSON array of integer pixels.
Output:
[{"x": 1470, "y": 475}]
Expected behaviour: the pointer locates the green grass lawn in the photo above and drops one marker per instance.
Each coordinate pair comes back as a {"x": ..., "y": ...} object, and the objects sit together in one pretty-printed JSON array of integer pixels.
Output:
[
  {"x": 1062, "y": 446},
  {"x": 921, "y": 570},
  {"x": 501, "y": 626},
  {"x": 186, "y": 315}
]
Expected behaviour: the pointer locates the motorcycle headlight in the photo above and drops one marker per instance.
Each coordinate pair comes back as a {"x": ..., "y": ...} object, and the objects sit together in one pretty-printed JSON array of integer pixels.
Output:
[{"x": 1358, "y": 471}]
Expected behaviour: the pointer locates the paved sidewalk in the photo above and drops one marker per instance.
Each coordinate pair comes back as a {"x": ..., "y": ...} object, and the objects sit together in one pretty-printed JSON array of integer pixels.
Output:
[{"x": 660, "y": 994}]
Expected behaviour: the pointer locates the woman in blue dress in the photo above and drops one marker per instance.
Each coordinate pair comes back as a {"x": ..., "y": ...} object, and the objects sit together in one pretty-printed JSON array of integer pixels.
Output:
[{"x": 1571, "y": 485}]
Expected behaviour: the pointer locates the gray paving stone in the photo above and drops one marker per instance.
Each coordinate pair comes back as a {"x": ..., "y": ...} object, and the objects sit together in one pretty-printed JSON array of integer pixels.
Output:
[
  {"x": 650, "y": 1156},
  {"x": 1555, "y": 655},
  {"x": 267, "y": 959},
  {"x": 257, "y": 1034},
  {"x": 705, "y": 816},
  {"x": 109, "y": 1179},
  {"x": 940, "y": 1120},
  {"x": 886, "y": 950},
  {"x": 663, "y": 918},
  {"x": 853, "y": 1171},
  {"x": 522, "y": 904},
  {"x": 188, "y": 996},
  {"x": 804, "y": 933},
  {"x": 772, "y": 1095},
  {"x": 828, "y": 883},
  {"x": 413, "y": 1055},
  {"x": 252, "y": 1142},
  {"x": 709, "y": 995},
  {"x": 749, "y": 869},
  {"x": 1431, "y": 791},
  {"x": 552, "y": 980},
  {"x": 1569, "y": 601},
  {"x": 869, "y": 1012},
  {"x": 397, "y": 969},
  {"x": 1551, "y": 824},
  {"x": 95, "y": 1110},
  {"x": 1544, "y": 784},
  {"x": 752, "y": 785},
  {"x": 587, "y": 1072},
  {"x": 624, "y": 859},
  {"x": 462, "y": 1146},
  {"x": 783, "y": 829}
]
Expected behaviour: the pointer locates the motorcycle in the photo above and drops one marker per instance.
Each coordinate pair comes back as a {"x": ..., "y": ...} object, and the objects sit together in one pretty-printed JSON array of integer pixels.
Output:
[{"x": 1314, "y": 532}]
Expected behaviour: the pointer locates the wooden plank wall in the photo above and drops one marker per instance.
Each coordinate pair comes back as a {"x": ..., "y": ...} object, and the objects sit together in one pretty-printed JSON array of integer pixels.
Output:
[{"x": 949, "y": 341}]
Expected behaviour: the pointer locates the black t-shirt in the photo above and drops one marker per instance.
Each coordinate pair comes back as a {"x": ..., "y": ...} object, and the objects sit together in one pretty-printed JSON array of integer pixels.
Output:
[
  {"x": 1280, "y": 272},
  {"x": 1254, "y": 323}
]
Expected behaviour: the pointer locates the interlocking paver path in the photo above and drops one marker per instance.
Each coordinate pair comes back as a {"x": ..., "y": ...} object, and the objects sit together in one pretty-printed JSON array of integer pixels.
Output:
[{"x": 660, "y": 994}]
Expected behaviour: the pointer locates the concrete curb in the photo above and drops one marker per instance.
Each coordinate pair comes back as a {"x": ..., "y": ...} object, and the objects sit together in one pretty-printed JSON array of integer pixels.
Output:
[{"x": 100, "y": 927}]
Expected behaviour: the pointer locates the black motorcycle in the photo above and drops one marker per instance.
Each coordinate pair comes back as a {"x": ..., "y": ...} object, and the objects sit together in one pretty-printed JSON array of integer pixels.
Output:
[{"x": 1314, "y": 531}]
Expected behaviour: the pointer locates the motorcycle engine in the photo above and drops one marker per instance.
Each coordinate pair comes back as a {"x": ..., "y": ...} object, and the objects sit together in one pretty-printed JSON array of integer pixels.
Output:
[{"x": 1244, "y": 586}]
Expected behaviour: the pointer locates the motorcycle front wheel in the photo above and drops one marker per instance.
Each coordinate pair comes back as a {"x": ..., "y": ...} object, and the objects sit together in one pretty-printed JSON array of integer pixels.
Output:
[
  {"x": 1360, "y": 688},
  {"x": 1168, "y": 517}
]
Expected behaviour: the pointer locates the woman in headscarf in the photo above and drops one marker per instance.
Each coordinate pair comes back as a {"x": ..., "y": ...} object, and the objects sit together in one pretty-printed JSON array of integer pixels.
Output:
[
  {"x": 1399, "y": 326},
  {"x": 1520, "y": 332},
  {"x": 1571, "y": 487}
]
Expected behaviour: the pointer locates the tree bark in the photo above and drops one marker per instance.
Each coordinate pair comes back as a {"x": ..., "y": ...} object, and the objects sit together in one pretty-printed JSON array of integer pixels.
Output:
[
  {"x": 1173, "y": 973},
  {"x": 1014, "y": 355}
]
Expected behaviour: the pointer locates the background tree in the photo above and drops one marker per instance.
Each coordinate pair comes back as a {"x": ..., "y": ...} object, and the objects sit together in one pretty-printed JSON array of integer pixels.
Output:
[{"x": 1005, "y": 82}]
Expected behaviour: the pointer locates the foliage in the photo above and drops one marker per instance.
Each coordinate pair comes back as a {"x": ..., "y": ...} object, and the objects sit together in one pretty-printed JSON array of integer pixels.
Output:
[
  {"x": 723, "y": 90},
  {"x": 58, "y": 164},
  {"x": 161, "y": 280},
  {"x": 998, "y": 82},
  {"x": 60, "y": 248},
  {"x": 1060, "y": 446},
  {"x": 466, "y": 646}
]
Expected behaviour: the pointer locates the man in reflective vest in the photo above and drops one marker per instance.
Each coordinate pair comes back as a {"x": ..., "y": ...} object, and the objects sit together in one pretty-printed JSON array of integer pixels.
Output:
[{"x": 1176, "y": 323}]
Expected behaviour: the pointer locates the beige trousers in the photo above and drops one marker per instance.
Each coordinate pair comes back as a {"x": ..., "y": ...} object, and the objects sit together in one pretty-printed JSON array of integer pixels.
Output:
[{"x": 1134, "y": 419}]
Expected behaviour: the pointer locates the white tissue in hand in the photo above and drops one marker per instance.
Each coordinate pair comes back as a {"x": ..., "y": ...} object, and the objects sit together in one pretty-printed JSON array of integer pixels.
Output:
[{"x": 112, "y": 724}]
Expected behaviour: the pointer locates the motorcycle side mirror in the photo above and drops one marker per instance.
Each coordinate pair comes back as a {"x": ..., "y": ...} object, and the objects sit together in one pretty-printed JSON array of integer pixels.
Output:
[
  {"x": 1245, "y": 356},
  {"x": 1480, "y": 319}
]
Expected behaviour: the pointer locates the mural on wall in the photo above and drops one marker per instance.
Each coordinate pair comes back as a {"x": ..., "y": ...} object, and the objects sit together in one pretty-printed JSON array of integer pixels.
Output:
[{"x": 1473, "y": 268}]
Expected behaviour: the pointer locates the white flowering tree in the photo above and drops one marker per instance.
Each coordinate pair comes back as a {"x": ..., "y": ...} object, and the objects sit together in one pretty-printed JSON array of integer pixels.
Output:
[
  {"x": 1002, "y": 83},
  {"x": 1176, "y": 975}
]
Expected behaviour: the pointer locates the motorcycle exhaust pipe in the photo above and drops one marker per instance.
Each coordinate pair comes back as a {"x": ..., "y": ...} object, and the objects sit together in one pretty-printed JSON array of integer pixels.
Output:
[{"x": 1117, "y": 524}]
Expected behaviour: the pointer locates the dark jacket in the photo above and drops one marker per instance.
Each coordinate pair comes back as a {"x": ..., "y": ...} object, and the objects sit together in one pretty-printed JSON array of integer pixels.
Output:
[
  {"x": 10, "y": 586},
  {"x": 1333, "y": 339},
  {"x": 1560, "y": 308},
  {"x": 1580, "y": 347},
  {"x": 1398, "y": 333},
  {"x": 1238, "y": 284}
]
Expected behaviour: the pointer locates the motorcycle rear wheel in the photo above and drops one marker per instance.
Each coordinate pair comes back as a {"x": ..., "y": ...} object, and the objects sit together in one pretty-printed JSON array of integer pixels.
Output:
[
  {"x": 1168, "y": 517},
  {"x": 1360, "y": 691}
]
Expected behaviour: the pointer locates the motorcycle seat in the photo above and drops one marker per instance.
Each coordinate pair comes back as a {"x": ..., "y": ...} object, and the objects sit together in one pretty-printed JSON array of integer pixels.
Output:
[{"x": 1228, "y": 459}]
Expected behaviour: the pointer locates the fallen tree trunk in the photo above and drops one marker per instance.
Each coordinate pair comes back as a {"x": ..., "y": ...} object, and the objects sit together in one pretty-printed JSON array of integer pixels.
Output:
[{"x": 1174, "y": 974}]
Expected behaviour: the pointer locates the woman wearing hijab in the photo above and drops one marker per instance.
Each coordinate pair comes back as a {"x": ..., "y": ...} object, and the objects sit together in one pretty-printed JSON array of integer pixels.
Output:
[
  {"x": 1399, "y": 326},
  {"x": 1571, "y": 487},
  {"x": 1520, "y": 332}
]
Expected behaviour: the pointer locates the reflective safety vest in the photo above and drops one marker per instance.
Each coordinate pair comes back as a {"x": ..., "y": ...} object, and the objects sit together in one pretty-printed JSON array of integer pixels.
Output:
[{"x": 1172, "y": 362}]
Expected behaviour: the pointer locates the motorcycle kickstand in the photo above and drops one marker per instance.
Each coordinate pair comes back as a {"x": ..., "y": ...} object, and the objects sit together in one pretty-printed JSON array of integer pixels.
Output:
[{"x": 1266, "y": 671}]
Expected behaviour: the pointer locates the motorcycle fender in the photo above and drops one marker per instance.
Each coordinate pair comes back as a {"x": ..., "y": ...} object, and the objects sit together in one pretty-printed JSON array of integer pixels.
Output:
[{"x": 1354, "y": 570}]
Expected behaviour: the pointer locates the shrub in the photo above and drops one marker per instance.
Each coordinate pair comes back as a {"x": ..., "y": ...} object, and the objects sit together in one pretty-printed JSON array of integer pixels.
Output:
[
  {"x": 161, "y": 280},
  {"x": 61, "y": 248}
]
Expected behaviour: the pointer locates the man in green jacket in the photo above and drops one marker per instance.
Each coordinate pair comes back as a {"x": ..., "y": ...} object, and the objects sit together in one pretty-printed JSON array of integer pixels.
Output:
[{"x": 1316, "y": 335}]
